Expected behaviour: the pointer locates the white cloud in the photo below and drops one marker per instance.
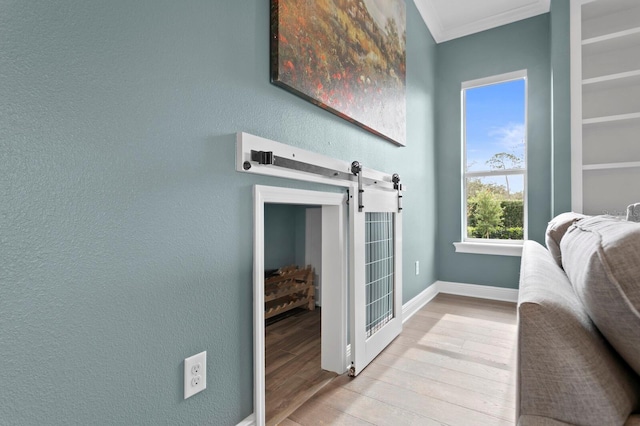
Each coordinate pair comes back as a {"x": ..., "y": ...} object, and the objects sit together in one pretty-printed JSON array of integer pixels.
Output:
[{"x": 510, "y": 137}]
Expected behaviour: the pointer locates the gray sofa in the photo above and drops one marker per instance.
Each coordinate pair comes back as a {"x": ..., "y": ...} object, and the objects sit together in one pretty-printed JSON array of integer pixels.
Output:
[{"x": 579, "y": 324}]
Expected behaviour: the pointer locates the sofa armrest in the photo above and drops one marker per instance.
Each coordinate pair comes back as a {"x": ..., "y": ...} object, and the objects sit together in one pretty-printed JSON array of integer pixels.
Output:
[{"x": 566, "y": 370}]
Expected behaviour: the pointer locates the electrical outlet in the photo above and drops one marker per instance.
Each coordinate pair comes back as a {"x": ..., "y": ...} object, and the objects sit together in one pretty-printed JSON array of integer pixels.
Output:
[
  {"x": 417, "y": 267},
  {"x": 195, "y": 374}
]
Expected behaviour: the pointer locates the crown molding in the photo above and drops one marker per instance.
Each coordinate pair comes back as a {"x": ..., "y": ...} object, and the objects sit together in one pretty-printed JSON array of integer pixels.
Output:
[{"x": 441, "y": 34}]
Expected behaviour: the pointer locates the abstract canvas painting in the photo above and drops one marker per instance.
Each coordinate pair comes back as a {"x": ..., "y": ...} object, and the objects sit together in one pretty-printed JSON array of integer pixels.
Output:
[{"x": 346, "y": 56}]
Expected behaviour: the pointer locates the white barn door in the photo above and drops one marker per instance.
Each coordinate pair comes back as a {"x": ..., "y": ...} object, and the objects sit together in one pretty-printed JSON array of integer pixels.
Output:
[{"x": 376, "y": 274}]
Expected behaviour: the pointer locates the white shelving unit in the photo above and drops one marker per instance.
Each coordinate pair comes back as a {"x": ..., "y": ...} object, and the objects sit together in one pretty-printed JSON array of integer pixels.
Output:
[{"x": 605, "y": 100}]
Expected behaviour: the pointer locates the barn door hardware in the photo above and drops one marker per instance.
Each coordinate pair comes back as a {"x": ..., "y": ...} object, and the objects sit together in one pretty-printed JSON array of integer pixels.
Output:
[
  {"x": 261, "y": 156},
  {"x": 398, "y": 187},
  {"x": 356, "y": 169},
  {"x": 268, "y": 158}
]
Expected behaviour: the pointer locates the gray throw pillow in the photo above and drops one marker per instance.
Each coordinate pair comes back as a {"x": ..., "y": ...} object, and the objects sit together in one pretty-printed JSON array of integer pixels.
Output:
[
  {"x": 556, "y": 230},
  {"x": 601, "y": 257},
  {"x": 633, "y": 212}
]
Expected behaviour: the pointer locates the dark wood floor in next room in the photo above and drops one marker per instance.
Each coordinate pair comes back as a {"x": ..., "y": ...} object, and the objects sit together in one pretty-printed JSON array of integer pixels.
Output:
[{"x": 292, "y": 364}]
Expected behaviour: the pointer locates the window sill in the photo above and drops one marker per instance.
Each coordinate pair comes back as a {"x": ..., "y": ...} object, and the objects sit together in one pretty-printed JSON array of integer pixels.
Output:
[{"x": 498, "y": 249}]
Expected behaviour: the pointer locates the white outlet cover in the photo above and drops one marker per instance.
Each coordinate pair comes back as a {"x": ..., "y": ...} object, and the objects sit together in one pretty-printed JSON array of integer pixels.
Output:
[{"x": 195, "y": 367}]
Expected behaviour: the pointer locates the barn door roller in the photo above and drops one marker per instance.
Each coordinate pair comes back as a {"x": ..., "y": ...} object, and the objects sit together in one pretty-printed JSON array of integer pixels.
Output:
[
  {"x": 356, "y": 169},
  {"x": 398, "y": 187}
]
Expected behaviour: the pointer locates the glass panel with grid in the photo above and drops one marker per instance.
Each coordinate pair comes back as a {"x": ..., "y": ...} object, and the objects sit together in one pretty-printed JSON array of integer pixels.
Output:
[{"x": 379, "y": 270}]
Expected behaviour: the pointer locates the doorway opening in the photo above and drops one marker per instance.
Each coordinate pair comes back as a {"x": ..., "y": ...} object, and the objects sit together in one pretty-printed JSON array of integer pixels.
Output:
[
  {"x": 296, "y": 356},
  {"x": 292, "y": 259}
]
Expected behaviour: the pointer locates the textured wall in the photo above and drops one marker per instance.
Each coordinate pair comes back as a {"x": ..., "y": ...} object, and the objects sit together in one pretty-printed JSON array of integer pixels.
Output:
[
  {"x": 521, "y": 45},
  {"x": 125, "y": 233},
  {"x": 561, "y": 97}
]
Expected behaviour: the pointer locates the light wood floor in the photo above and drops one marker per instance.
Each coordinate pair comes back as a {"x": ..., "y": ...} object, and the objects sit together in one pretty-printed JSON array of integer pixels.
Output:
[{"x": 453, "y": 364}]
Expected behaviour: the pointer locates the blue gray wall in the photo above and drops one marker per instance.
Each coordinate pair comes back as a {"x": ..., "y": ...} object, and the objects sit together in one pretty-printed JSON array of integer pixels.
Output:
[
  {"x": 561, "y": 97},
  {"x": 126, "y": 234},
  {"x": 284, "y": 235},
  {"x": 521, "y": 45}
]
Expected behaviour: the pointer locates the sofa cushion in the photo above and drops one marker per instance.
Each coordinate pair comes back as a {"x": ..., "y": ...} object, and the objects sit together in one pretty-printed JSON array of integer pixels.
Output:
[
  {"x": 566, "y": 369},
  {"x": 556, "y": 230},
  {"x": 601, "y": 256}
]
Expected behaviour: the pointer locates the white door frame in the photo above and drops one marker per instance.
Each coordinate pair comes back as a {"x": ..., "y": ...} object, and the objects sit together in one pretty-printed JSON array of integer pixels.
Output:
[
  {"x": 313, "y": 247},
  {"x": 334, "y": 291}
]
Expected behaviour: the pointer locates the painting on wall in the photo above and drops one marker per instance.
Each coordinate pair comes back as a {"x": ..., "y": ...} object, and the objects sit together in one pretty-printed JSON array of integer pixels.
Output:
[{"x": 346, "y": 56}]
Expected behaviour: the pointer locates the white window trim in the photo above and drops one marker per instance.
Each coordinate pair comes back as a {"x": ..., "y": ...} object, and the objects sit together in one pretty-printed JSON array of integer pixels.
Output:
[
  {"x": 492, "y": 246},
  {"x": 498, "y": 248}
]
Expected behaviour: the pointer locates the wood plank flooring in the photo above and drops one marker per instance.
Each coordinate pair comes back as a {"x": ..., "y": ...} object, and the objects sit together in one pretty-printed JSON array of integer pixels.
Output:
[
  {"x": 292, "y": 364},
  {"x": 453, "y": 364}
]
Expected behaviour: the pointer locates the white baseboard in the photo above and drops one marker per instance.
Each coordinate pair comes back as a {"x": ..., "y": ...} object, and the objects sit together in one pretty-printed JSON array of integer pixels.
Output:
[
  {"x": 479, "y": 291},
  {"x": 415, "y": 304},
  {"x": 249, "y": 421}
]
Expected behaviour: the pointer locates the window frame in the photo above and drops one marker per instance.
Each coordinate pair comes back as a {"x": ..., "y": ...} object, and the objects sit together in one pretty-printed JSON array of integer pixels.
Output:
[{"x": 486, "y": 245}]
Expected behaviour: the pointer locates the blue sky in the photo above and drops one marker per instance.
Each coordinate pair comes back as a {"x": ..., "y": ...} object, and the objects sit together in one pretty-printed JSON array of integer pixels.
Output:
[{"x": 495, "y": 122}]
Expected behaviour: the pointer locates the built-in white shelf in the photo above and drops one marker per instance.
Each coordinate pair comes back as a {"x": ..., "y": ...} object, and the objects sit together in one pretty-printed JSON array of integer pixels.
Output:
[
  {"x": 609, "y": 166},
  {"x": 611, "y": 78},
  {"x": 611, "y": 36},
  {"x": 605, "y": 104},
  {"x": 597, "y": 9},
  {"x": 611, "y": 57},
  {"x": 611, "y": 42},
  {"x": 611, "y": 118}
]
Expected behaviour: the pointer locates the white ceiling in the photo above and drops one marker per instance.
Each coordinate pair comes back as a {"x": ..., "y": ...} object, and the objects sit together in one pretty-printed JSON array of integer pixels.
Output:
[{"x": 449, "y": 19}]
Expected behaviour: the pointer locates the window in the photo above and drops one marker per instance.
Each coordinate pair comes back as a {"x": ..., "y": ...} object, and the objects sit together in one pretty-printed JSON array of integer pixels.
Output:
[{"x": 494, "y": 141}]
